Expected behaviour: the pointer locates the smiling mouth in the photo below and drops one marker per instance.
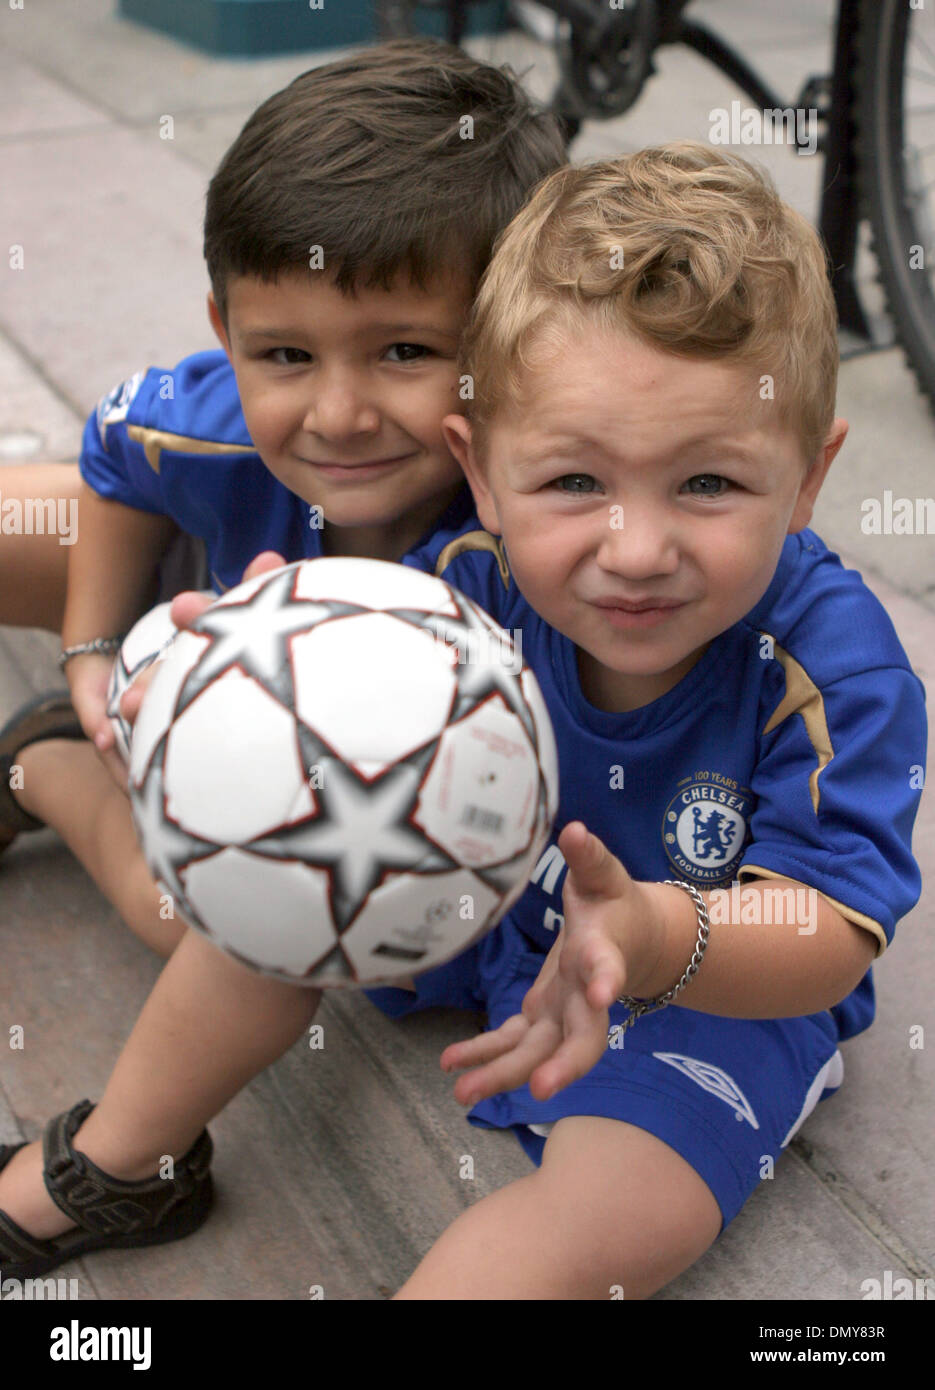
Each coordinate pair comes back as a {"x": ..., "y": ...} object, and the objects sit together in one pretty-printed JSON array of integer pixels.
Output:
[
  {"x": 644, "y": 605},
  {"x": 628, "y": 616},
  {"x": 329, "y": 466}
]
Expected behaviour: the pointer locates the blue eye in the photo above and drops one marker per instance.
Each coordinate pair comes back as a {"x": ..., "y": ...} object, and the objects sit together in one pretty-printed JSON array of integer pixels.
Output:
[
  {"x": 707, "y": 485},
  {"x": 580, "y": 483}
]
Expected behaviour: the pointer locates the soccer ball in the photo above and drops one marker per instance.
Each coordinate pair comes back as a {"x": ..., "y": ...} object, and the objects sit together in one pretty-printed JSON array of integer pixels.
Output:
[
  {"x": 146, "y": 642},
  {"x": 142, "y": 645},
  {"x": 342, "y": 772}
]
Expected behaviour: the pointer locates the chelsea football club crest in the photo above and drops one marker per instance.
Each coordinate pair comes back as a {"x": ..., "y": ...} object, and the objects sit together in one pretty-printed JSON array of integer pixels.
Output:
[{"x": 705, "y": 827}]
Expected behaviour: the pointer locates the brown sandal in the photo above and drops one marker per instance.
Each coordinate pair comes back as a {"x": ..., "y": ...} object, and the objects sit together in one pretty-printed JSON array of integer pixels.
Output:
[{"x": 111, "y": 1214}]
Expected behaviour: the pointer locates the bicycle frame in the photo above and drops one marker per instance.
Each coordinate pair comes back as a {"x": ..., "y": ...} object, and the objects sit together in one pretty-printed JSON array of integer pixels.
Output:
[{"x": 839, "y": 212}]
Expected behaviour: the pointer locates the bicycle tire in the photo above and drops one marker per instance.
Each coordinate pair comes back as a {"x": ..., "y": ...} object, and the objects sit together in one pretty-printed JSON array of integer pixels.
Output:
[{"x": 885, "y": 185}]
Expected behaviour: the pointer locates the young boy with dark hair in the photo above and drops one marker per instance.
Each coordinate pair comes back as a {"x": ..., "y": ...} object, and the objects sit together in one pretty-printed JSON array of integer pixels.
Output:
[{"x": 345, "y": 231}]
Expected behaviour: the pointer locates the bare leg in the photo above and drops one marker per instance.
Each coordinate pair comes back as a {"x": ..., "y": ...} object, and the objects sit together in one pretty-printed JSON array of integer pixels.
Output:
[
  {"x": 612, "y": 1212},
  {"x": 209, "y": 1026},
  {"x": 67, "y": 786},
  {"x": 33, "y": 569}
]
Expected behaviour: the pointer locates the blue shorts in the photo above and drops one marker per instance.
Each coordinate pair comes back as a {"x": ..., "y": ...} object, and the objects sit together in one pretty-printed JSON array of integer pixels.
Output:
[{"x": 725, "y": 1093}]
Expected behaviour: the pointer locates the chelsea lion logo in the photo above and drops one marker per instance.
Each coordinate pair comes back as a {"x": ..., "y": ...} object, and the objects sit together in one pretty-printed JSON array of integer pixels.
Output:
[{"x": 705, "y": 827}]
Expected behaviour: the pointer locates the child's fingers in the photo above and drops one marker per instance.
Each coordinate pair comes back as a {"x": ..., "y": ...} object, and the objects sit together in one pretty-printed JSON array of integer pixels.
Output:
[
  {"x": 606, "y": 984},
  {"x": 593, "y": 872},
  {"x": 593, "y": 963},
  {"x": 104, "y": 737},
  {"x": 130, "y": 703},
  {"x": 485, "y": 1047},
  {"x": 264, "y": 562},
  {"x": 604, "y": 975},
  {"x": 187, "y": 607},
  {"x": 581, "y": 1050},
  {"x": 510, "y": 1070},
  {"x": 132, "y": 698}
]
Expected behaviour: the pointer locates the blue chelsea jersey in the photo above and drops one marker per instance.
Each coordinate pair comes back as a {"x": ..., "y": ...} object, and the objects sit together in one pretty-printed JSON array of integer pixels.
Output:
[
  {"x": 176, "y": 443},
  {"x": 787, "y": 752}
]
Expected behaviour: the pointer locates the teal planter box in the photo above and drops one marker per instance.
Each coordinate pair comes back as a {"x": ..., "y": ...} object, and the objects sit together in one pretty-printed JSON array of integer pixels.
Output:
[{"x": 258, "y": 28}]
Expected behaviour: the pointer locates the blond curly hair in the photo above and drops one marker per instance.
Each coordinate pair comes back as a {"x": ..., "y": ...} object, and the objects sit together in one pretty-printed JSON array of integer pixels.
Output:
[{"x": 688, "y": 248}]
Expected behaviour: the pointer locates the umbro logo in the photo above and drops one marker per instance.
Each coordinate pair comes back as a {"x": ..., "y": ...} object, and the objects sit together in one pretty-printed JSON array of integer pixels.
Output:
[{"x": 714, "y": 1080}]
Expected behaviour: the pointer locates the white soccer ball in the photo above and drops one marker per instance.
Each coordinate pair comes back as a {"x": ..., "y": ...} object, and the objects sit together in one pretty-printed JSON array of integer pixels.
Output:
[
  {"x": 342, "y": 773},
  {"x": 143, "y": 645}
]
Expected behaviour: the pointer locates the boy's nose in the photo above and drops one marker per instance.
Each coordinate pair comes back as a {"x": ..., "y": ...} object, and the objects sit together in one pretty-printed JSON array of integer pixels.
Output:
[
  {"x": 638, "y": 543},
  {"x": 340, "y": 408}
]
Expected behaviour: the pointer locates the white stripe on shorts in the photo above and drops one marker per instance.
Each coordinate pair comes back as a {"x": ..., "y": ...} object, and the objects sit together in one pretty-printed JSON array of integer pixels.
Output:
[{"x": 831, "y": 1074}]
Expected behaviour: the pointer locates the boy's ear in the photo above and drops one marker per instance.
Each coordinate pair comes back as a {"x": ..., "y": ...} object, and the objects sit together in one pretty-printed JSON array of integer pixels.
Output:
[
  {"x": 811, "y": 483},
  {"x": 458, "y": 437},
  {"x": 217, "y": 323}
]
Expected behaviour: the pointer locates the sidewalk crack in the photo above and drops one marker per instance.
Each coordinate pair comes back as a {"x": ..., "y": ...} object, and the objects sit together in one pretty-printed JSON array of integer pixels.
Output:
[{"x": 857, "y": 1206}]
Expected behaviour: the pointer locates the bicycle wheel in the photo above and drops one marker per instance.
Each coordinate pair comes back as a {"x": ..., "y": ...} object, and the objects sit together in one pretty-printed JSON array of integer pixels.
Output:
[{"x": 896, "y": 167}]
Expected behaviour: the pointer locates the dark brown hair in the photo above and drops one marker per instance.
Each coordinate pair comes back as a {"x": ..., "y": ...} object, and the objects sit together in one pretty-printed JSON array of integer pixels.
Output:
[{"x": 372, "y": 159}]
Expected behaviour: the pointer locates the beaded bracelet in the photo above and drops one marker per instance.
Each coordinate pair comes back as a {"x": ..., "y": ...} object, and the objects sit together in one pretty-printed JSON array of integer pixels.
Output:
[
  {"x": 102, "y": 645},
  {"x": 638, "y": 1007}
]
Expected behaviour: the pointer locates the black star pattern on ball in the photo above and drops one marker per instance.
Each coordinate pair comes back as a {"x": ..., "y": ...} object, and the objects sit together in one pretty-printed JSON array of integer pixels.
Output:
[
  {"x": 254, "y": 635},
  {"x": 168, "y": 847},
  {"x": 361, "y": 832},
  {"x": 480, "y": 671}
]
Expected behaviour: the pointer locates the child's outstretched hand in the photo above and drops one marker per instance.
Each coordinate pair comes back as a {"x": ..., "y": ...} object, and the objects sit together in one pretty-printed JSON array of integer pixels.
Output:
[{"x": 609, "y": 945}]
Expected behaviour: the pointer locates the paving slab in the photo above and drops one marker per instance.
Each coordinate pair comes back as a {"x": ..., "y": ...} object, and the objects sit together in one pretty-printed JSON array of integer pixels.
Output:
[
  {"x": 38, "y": 107},
  {"x": 35, "y": 422},
  {"x": 880, "y": 1147},
  {"x": 92, "y": 305},
  {"x": 890, "y": 449},
  {"x": 133, "y": 73}
]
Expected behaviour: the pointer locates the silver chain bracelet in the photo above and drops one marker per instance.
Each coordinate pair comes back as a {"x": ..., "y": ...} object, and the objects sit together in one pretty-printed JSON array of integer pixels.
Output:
[
  {"x": 104, "y": 646},
  {"x": 638, "y": 1007}
]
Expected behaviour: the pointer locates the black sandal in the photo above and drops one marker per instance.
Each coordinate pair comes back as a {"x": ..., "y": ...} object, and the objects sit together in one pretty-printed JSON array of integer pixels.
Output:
[
  {"x": 111, "y": 1214},
  {"x": 47, "y": 716}
]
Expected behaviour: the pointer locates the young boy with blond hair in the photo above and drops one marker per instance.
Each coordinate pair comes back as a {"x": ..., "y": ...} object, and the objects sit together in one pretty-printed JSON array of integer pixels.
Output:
[{"x": 654, "y": 362}]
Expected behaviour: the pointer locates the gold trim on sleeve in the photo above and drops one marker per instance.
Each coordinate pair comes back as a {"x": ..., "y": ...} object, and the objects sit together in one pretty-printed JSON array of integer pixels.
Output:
[
  {"x": 475, "y": 540},
  {"x": 803, "y": 697},
  {"x": 154, "y": 441},
  {"x": 858, "y": 918}
]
